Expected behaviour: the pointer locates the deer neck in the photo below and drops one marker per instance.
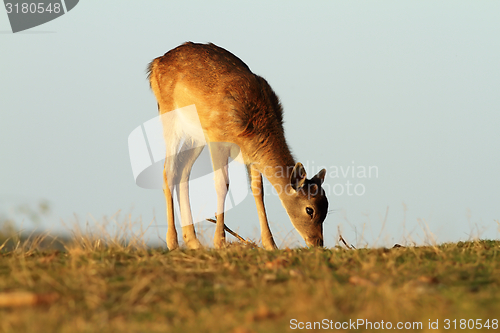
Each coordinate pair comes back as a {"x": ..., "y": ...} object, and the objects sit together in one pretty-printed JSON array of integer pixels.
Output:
[{"x": 274, "y": 160}]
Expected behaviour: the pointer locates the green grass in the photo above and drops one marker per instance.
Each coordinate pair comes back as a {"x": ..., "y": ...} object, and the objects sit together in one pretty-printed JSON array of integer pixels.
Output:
[{"x": 109, "y": 285}]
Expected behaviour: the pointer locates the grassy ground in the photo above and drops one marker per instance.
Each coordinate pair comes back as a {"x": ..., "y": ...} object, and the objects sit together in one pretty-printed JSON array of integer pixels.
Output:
[{"x": 102, "y": 285}]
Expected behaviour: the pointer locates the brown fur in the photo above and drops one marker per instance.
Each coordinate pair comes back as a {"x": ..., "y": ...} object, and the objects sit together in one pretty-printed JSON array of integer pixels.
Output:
[{"x": 235, "y": 105}]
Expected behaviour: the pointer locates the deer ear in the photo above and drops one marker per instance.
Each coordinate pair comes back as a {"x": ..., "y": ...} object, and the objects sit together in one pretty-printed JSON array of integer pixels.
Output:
[
  {"x": 298, "y": 176},
  {"x": 320, "y": 176}
]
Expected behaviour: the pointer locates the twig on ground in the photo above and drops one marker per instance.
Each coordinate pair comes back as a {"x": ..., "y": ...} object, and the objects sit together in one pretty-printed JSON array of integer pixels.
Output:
[
  {"x": 344, "y": 242},
  {"x": 241, "y": 239}
]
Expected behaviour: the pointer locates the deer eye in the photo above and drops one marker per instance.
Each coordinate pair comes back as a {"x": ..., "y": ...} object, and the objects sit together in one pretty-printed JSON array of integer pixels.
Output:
[{"x": 309, "y": 211}]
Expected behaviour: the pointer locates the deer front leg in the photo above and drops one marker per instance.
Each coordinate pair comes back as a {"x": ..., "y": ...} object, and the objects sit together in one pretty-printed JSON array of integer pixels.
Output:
[
  {"x": 221, "y": 187},
  {"x": 258, "y": 194}
]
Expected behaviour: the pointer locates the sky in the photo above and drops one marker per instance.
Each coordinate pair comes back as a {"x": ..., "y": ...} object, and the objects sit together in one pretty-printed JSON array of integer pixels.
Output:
[{"x": 408, "y": 90}]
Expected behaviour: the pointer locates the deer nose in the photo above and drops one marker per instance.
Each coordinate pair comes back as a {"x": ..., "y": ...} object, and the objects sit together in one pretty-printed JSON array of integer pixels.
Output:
[{"x": 314, "y": 242}]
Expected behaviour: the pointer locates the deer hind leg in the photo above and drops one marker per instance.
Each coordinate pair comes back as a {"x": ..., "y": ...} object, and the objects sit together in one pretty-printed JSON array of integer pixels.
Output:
[
  {"x": 172, "y": 242},
  {"x": 220, "y": 154},
  {"x": 186, "y": 159},
  {"x": 258, "y": 194},
  {"x": 172, "y": 141}
]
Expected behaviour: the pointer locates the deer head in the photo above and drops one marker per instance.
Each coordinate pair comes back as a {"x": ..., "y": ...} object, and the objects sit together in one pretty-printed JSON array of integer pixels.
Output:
[{"x": 306, "y": 204}]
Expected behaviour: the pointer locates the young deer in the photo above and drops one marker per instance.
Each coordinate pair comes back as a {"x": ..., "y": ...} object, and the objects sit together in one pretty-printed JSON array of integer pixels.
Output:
[{"x": 236, "y": 107}]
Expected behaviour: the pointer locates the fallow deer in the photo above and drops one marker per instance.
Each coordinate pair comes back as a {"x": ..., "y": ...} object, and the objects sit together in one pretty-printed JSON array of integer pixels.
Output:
[{"x": 237, "y": 107}]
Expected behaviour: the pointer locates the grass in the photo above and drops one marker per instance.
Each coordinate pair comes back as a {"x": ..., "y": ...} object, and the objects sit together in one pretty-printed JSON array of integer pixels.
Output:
[{"x": 115, "y": 283}]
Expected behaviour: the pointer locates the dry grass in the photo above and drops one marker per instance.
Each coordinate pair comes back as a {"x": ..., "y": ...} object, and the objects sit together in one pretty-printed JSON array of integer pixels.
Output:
[{"x": 102, "y": 282}]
